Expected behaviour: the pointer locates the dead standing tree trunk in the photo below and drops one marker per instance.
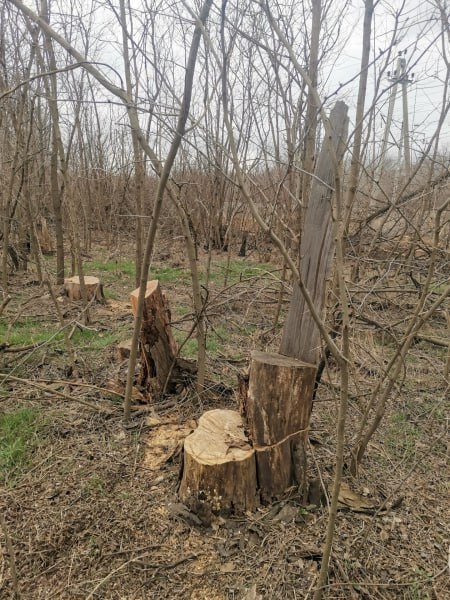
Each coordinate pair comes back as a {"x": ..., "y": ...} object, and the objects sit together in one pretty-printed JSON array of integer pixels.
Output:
[
  {"x": 281, "y": 386},
  {"x": 277, "y": 399},
  {"x": 301, "y": 336}
]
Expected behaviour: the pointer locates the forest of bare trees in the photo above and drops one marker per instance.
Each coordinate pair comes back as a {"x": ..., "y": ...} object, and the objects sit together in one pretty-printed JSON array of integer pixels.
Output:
[{"x": 282, "y": 169}]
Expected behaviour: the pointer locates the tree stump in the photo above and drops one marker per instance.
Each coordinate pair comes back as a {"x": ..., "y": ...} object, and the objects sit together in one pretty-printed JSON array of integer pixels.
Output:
[
  {"x": 123, "y": 350},
  {"x": 161, "y": 369},
  {"x": 277, "y": 410},
  {"x": 219, "y": 472},
  {"x": 94, "y": 289}
]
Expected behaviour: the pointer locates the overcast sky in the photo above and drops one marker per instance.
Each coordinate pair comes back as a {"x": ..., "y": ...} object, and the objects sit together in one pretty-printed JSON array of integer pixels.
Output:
[{"x": 419, "y": 35}]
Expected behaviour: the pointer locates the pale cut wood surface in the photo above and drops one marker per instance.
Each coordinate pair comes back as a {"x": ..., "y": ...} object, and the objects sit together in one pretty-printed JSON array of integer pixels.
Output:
[
  {"x": 92, "y": 284},
  {"x": 219, "y": 471}
]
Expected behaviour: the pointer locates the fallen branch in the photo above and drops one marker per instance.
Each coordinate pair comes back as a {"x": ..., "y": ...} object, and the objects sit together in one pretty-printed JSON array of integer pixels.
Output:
[
  {"x": 138, "y": 560},
  {"x": 5, "y": 347},
  {"x": 80, "y": 384},
  {"x": 4, "y": 304},
  {"x": 12, "y": 559},
  {"x": 49, "y": 390},
  {"x": 432, "y": 340}
]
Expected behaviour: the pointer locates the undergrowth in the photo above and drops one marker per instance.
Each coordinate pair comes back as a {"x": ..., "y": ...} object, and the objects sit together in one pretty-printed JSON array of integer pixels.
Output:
[{"x": 18, "y": 436}]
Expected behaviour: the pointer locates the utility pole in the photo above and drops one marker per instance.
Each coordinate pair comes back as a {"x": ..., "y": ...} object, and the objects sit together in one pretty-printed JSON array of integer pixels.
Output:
[
  {"x": 395, "y": 79},
  {"x": 399, "y": 76},
  {"x": 404, "y": 80}
]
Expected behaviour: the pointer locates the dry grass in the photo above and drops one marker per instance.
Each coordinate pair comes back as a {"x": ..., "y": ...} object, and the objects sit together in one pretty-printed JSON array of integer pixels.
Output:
[{"x": 88, "y": 509}]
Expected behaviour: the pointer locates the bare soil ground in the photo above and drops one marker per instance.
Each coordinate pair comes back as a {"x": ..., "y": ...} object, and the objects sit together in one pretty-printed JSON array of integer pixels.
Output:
[{"x": 90, "y": 503}]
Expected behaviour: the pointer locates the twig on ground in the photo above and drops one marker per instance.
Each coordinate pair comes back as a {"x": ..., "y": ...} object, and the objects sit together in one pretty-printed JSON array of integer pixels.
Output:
[
  {"x": 138, "y": 560},
  {"x": 49, "y": 390},
  {"x": 12, "y": 558},
  {"x": 4, "y": 304}
]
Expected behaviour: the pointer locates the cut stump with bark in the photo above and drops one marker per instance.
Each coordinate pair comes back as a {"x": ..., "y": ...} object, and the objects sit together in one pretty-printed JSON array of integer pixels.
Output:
[
  {"x": 277, "y": 409},
  {"x": 123, "y": 350},
  {"x": 94, "y": 288},
  {"x": 161, "y": 369},
  {"x": 219, "y": 471}
]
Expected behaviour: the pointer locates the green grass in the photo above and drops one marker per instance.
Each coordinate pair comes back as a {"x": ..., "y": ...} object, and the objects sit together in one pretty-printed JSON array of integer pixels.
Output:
[
  {"x": 110, "y": 294},
  {"x": 18, "y": 436},
  {"x": 28, "y": 331},
  {"x": 95, "y": 340},
  {"x": 109, "y": 270},
  {"x": 237, "y": 270},
  {"x": 95, "y": 485},
  {"x": 215, "y": 342},
  {"x": 401, "y": 436},
  {"x": 189, "y": 349},
  {"x": 169, "y": 274},
  {"x": 123, "y": 267}
]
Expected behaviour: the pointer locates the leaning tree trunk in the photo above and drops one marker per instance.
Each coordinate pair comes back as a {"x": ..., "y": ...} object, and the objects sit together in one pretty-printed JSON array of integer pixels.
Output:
[
  {"x": 281, "y": 386},
  {"x": 301, "y": 336}
]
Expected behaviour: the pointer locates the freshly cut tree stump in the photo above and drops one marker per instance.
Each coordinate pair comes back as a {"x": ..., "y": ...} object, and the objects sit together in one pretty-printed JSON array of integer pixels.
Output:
[
  {"x": 277, "y": 409},
  {"x": 219, "y": 472},
  {"x": 93, "y": 287},
  {"x": 161, "y": 369},
  {"x": 124, "y": 350}
]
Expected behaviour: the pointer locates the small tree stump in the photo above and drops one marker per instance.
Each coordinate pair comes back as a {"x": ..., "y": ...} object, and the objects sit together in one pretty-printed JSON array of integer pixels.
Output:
[
  {"x": 219, "y": 472},
  {"x": 123, "y": 350},
  {"x": 93, "y": 287},
  {"x": 161, "y": 369},
  {"x": 277, "y": 410}
]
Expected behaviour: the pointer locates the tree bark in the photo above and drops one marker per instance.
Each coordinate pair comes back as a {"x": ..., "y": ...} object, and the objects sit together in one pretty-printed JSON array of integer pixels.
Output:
[
  {"x": 311, "y": 107},
  {"x": 57, "y": 157},
  {"x": 219, "y": 473},
  {"x": 301, "y": 336},
  {"x": 277, "y": 409},
  {"x": 161, "y": 369}
]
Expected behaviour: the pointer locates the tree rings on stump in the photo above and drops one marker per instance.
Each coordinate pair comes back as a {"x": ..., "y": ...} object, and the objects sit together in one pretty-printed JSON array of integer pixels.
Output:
[
  {"x": 219, "y": 473},
  {"x": 94, "y": 288}
]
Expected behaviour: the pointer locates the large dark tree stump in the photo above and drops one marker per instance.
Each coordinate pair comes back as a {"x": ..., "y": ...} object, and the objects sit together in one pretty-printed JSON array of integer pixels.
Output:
[
  {"x": 161, "y": 369},
  {"x": 277, "y": 409},
  {"x": 219, "y": 473},
  {"x": 94, "y": 288}
]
